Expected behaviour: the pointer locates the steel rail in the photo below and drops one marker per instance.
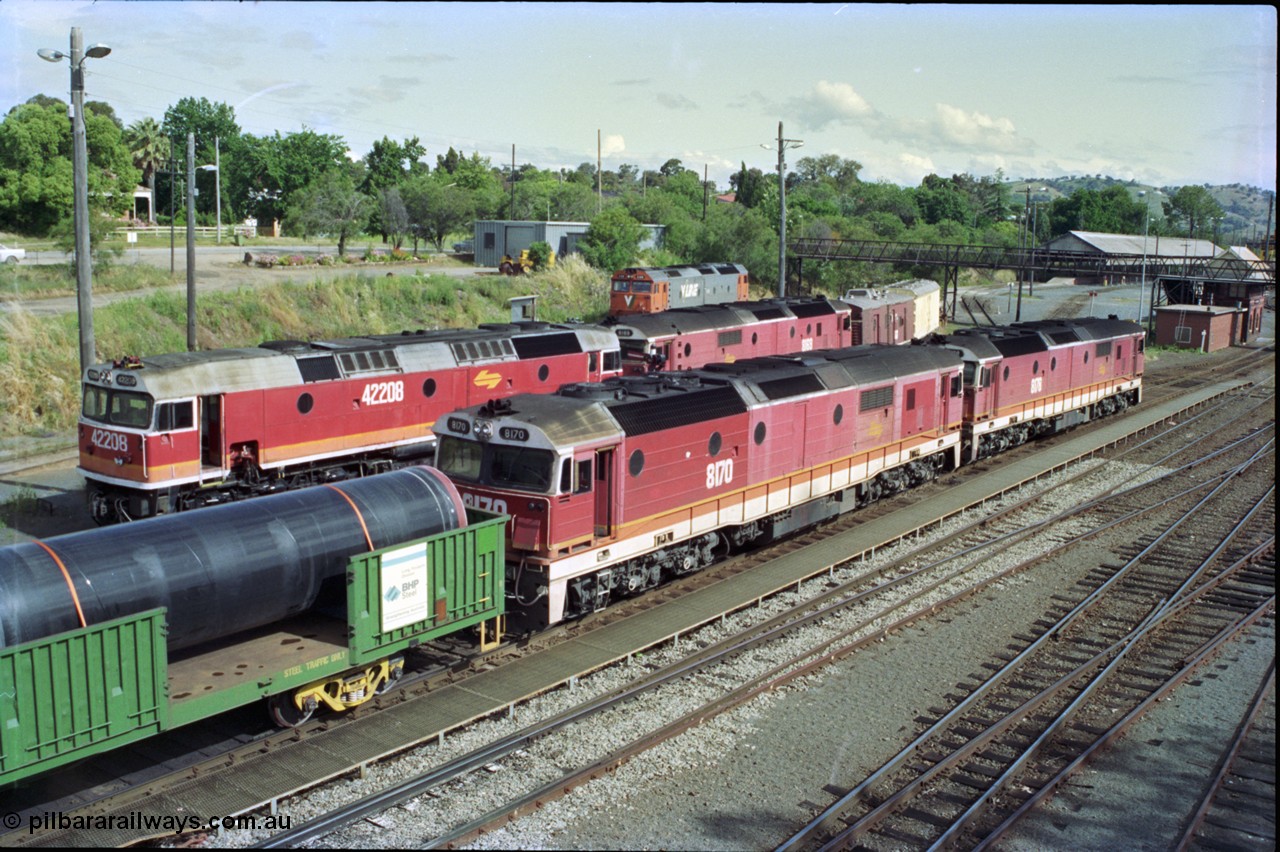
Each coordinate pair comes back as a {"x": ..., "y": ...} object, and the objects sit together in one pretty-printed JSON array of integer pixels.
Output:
[
  {"x": 831, "y": 813},
  {"x": 716, "y": 653},
  {"x": 1159, "y": 614},
  {"x": 1228, "y": 758},
  {"x": 1209, "y": 651}
]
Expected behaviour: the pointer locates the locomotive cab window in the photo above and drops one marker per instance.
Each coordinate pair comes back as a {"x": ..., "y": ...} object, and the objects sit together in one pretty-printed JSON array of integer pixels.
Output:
[
  {"x": 171, "y": 416},
  {"x": 117, "y": 407},
  {"x": 582, "y": 476},
  {"x": 612, "y": 361},
  {"x": 456, "y": 457},
  {"x": 520, "y": 467}
]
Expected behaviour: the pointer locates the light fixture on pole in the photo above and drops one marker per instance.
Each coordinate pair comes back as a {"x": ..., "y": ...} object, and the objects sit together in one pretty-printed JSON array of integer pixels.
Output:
[
  {"x": 216, "y": 168},
  {"x": 1146, "y": 229},
  {"x": 783, "y": 145},
  {"x": 80, "y": 186}
]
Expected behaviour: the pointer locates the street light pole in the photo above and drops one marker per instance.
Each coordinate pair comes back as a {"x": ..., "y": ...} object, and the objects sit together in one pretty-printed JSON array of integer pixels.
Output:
[
  {"x": 80, "y": 186},
  {"x": 1146, "y": 229},
  {"x": 191, "y": 242},
  {"x": 783, "y": 145},
  {"x": 216, "y": 168}
]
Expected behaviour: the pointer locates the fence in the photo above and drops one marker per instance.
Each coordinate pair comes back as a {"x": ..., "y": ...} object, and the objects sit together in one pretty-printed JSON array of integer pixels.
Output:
[{"x": 202, "y": 231}]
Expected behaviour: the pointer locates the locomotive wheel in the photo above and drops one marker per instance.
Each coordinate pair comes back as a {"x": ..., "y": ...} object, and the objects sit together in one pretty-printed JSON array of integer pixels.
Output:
[{"x": 285, "y": 713}]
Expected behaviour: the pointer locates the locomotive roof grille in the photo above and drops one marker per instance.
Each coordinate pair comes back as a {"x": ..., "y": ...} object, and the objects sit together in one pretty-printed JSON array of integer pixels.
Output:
[
  {"x": 791, "y": 386},
  {"x": 318, "y": 368},
  {"x": 811, "y": 309},
  {"x": 672, "y": 411},
  {"x": 769, "y": 313},
  {"x": 1020, "y": 345},
  {"x": 542, "y": 346}
]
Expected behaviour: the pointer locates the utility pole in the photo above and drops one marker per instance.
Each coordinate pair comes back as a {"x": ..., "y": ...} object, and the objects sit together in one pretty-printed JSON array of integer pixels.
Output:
[
  {"x": 80, "y": 187},
  {"x": 783, "y": 145},
  {"x": 599, "y": 176},
  {"x": 191, "y": 242}
]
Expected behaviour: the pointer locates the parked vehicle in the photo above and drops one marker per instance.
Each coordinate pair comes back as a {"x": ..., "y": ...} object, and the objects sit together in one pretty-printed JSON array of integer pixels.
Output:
[{"x": 11, "y": 255}]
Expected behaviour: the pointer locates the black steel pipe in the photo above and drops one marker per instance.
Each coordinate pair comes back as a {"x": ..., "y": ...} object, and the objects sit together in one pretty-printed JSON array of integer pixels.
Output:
[{"x": 222, "y": 569}]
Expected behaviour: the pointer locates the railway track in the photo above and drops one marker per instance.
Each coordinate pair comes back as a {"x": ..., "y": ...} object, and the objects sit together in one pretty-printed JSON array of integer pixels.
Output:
[
  {"x": 1007, "y": 743},
  {"x": 280, "y": 742},
  {"x": 1238, "y": 808},
  {"x": 907, "y": 587}
]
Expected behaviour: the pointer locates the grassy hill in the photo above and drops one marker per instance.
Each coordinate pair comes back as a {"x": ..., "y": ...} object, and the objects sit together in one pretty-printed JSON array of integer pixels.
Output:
[{"x": 1245, "y": 206}]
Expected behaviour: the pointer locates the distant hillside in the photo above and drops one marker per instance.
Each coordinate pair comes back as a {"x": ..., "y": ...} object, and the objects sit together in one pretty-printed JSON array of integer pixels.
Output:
[{"x": 1245, "y": 206}]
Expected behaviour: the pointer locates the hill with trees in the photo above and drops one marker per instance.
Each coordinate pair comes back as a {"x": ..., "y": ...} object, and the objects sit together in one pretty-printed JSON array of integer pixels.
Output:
[{"x": 397, "y": 193}]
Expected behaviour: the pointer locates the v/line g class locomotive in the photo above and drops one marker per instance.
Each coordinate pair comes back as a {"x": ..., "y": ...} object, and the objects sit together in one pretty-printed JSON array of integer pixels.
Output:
[
  {"x": 615, "y": 486},
  {"x": 647, "y": 290}
]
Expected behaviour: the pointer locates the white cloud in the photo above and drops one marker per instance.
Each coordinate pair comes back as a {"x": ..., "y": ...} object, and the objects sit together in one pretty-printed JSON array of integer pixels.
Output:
[
  {"x": 612, "y": 145},
  {"x": 913, "y": 168},
  {"x": 977, "y": 130},
  {"x": 831, "y": 102}
]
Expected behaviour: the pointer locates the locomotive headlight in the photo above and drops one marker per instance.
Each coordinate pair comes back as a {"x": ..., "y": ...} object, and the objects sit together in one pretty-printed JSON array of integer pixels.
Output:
[{"x": 484, "y": 430}]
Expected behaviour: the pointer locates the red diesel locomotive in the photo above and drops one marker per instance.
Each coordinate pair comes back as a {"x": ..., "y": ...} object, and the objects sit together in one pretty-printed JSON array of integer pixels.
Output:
[
  {"x": 172, "y": 432},
  {"x": 687, "y": 338},
  {"x": 615, "y": 486}
]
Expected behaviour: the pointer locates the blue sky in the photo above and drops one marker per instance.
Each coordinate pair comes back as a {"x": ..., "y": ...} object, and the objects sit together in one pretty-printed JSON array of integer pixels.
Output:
[{"x": 1166, "y": 95}]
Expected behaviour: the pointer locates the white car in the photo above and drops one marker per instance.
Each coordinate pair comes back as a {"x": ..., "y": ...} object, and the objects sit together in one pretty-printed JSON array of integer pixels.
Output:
[{"x": 11, "y": 255}]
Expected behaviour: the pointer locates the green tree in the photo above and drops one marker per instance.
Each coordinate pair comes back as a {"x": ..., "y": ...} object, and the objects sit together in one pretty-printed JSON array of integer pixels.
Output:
[
  {"x": 1195, "y": 207},
  {"x": 329, "y": 205},
  {"x": 35, "y": 166},
  {"x": 1109, "y": 211},
  {"x": 149, "y": 149},
  {"x": 940, "y": 200},
  {"x": 748, "y": 184},
  {"x": 391, "y": 163},
  {"x": 612, "y": 239},
  {"x": 36, "y": 182},
  {"x": 393, "y": 216},
  {"x": 831, "y": 169},
  {"x": 739, "y": 235},
  {"x": 435, "y": 208},
  {"x": 210, "y": 122}
]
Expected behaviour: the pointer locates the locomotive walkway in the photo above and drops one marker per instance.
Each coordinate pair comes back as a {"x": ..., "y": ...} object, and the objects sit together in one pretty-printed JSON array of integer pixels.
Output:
[{"x": 252, "y": 783}]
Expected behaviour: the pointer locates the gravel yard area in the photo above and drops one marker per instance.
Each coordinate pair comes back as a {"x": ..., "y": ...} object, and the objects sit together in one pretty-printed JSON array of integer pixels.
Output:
[{"x": 749, "y": 778}]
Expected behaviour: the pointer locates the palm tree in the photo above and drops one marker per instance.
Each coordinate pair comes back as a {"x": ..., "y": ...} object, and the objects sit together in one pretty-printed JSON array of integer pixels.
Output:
[{"x": 149, "y": 148}]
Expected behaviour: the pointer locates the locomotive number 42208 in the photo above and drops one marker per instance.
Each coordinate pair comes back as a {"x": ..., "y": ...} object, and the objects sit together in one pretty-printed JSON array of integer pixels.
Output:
[{"x": 380, "y": 393}]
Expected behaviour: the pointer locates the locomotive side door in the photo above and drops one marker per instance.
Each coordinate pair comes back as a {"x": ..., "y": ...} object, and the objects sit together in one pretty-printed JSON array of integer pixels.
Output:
[
  {"x": 604, "y": 493},
  {"x": 212, "y": 452}
]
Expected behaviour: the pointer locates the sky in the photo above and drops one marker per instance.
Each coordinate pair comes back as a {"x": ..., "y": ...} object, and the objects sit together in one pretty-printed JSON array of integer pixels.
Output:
[{"x": 1165, "y": 95}]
